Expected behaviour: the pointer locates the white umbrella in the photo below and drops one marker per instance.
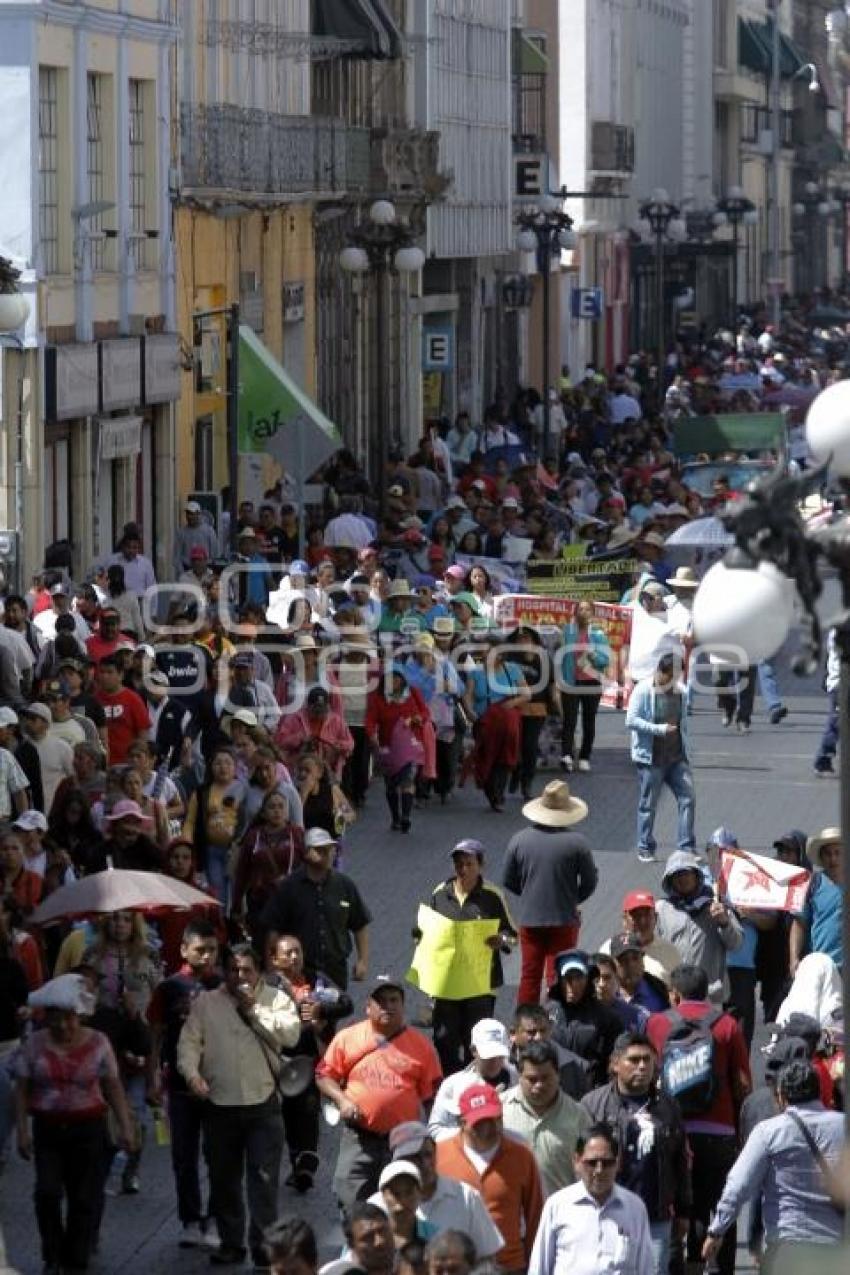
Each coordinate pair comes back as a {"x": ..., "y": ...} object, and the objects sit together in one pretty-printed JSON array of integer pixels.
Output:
[{"x": 702, "y": 533}]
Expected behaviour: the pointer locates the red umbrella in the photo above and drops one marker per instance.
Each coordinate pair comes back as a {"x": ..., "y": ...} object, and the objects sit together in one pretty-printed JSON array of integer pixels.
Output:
[{"x": 120, "y": 890}]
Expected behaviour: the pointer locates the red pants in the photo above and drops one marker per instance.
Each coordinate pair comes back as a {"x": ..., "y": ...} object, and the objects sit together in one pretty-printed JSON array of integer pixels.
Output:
[{"x": 539, "y": 945}]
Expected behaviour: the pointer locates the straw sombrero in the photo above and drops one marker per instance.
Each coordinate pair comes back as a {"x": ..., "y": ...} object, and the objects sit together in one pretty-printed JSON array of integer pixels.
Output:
[{"x": 555, "y": 807}]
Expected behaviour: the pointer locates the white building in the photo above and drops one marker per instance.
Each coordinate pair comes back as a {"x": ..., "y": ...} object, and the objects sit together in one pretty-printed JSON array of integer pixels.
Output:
[{"x": 84, "y": 164}]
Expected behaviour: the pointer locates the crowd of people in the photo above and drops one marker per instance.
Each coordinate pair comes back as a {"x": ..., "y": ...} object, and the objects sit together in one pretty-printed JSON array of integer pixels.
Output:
[{"x": 225, "y": 728}]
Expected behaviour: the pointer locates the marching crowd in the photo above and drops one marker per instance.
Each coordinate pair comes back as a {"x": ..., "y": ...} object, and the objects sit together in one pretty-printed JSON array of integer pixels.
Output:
[{"x": 225, "y": 727}]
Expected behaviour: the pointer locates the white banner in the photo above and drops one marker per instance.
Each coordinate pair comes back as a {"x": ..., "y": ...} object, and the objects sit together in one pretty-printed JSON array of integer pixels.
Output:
[
  {"x": 753, "y": 881},
  {"x": 120, "y": 436}
]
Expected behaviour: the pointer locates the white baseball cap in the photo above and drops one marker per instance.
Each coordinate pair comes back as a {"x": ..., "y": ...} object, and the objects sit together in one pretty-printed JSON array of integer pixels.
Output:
[
  {"x": 490, "y": 1039},
  {"x": 8, "y": 717},
  {"x": 399, "y": 1169},
  {"x": 192, "y": 507},
  {"x": 31, "y": 821}
]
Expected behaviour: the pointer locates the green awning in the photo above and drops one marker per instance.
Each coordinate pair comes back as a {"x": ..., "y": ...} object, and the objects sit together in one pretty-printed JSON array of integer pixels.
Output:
[
  {"x": 755, "y": 49},
  {"x": 532, "y": 58},
  {"x": 364, "y": 23},
  {"x": 734, "y": 432},
  {"x": 276, "y": 417}
]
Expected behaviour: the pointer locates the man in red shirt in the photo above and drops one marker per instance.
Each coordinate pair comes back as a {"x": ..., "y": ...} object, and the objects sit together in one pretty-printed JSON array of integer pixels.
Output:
[
  {"x": 378, "y": 1073},
  {"x": 127, "y": 717},
  {"x": 104, "y": 641},
  {"x": 712, "y": 1132}
]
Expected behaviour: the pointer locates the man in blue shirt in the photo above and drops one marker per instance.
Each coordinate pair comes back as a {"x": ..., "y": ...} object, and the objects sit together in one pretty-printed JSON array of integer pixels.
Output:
[{"x": 818, "y": 928}]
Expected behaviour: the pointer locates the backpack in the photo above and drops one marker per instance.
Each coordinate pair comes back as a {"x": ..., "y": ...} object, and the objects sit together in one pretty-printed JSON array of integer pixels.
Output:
[{"x": 687, "y": 1062}]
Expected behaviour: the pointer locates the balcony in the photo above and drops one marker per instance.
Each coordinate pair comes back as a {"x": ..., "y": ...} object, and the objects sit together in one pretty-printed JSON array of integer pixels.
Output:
[
  {"x": 227, "y": 148},
  {"x": 612, "y": 148}
]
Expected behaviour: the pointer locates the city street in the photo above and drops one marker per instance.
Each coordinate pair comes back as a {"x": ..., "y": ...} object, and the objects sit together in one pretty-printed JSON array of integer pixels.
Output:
[{"x": 759, "y": 785}]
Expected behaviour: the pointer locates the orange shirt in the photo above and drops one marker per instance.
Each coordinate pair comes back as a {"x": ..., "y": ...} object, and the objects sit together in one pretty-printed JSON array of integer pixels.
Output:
[
  {"x": 389, "y": 1080},
  {"x": 510, "y": 1188}
]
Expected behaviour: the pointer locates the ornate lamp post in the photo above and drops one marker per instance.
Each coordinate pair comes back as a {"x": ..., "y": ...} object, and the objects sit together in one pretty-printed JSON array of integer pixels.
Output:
[
  {"x": 383, "y": 245},
  {"x": 814, "y": 203},
  {"x": 747, "y": 601},
  {"x": 738, "y": 210},
  {"x": 664, "y": 220},
  {"x": 546, "y": 229}
]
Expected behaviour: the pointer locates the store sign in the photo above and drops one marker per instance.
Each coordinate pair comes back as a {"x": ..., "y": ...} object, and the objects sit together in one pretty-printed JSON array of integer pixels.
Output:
[
  {"x": 70, "y": 381},
  {"x": 586, "y": 303},
  {"x": 162, "y": 368},
  {"x": 120, "y": 373},
  {"x": 120, "y": 436},
  {"x": 531, "y": 176},
  {"x": 438, "y": 349},
  {"x": 293, "y": 302}
]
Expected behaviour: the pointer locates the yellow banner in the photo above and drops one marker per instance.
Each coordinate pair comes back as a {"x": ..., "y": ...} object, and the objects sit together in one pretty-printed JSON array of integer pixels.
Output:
[{"x": 452, "y": 959}]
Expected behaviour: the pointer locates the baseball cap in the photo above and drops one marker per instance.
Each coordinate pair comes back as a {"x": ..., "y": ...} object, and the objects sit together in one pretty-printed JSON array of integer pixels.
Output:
[
  {"x": 399, "y": 1169},
  {"x": 455, "y": 502},
  {"x": 653, "y": 589},
  {"x": 384, "y": 981},
  {"x": 490, "y": 1039},
  {"x": 395, "y": 490},
  {"x": 455, "y": 572},
  {"x": 72, "y": 663},
  {"x": 316, "y": 837},
  {"x": 37, "y": 709},
  {"x": 623, "y": 943},
  {"x": 127, "y": 809},
  {"x": 299, "y": 568},
  {"x": 192, "y": 507},
  {"x": 198, "y": 553},
  {"x": 468, "y": 846},
  {"x": 479, "y": 1102},
  {"x": 510, "y": 502},
  {"x": 407, "y": 1138},
  {"x": 55, "y": 689},
  {"x": 31, "y": 821},
  {"x": 574, "y": 959},
  {"x": 60, "y": 591},
  {"x": 242, "y": 659},
  {"x": 638, "y": 899},
  {"x": 8, "y": 716},
  {"x": 786, "y": 1050}
]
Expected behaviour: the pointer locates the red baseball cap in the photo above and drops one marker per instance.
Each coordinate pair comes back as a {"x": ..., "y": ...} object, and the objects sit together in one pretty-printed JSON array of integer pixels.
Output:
[
  {"x": 479, "y": 1102},
  {"x": 638, "y": 899}
]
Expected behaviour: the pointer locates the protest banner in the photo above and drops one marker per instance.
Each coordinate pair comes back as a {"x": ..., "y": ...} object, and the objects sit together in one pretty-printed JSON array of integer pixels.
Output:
[
  {"x": 452, "y": 959},
  {"x": 753, "y": 881},
  {"x": 575, "y": 575},
  {"x": 555, "y": 612}
]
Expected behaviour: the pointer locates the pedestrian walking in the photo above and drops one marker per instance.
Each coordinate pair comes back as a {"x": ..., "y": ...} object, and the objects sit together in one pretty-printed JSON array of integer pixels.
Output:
[
  {"x": 585, "y": 659},
  {"x": 658, "y": 721}
]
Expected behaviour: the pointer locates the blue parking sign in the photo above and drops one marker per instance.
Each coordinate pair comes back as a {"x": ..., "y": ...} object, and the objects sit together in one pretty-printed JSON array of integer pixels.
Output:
[{"x": 586, "y": 303}]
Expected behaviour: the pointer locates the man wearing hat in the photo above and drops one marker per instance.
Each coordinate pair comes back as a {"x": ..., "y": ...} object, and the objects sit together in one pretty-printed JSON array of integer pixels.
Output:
[
  {"x": 660, "y": 958},
  {"x": 14, "y": 784},
  {"x": 490, "y": 1049},
  {"x": 196, "y": 534},
  {"x": 818, "y": 928},
  {"x": 54, "y": 755},
  {"x": 551, "y": 869},
  {"x": 378, "y": 1073},
  {"x": 501, "y": 1168},
  {"x": 247, "y": 691},
  {"x": 445, "y": 1204},
  {"x": 467, "y": 896}
]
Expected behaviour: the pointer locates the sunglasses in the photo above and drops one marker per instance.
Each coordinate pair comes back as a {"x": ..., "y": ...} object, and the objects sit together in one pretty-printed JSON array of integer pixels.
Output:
[{"x": 607, "y": 1163}]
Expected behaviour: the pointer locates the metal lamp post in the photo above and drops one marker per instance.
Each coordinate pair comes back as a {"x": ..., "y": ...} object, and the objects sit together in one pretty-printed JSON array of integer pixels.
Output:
[
  {"x": 737, "y": 209},
  {"x": 383, "y": 245},
  {"x": 546, "y": 229},
  {"x": 662, "y": 215},
  {"x": 776, "y": 554}
]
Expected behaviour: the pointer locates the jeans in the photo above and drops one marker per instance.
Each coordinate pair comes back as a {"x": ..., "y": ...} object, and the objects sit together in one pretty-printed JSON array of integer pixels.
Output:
[
  {"x": 829, "y": 740},
  {"x": 678, "y": 778},
  {"x": 659, "y": 1238},
  {"x": 244, "y": 1142},
  {"x": 217, "y": 875},
  {"x": 768, "y": 686},
  {"x": 539, "y": 945}
]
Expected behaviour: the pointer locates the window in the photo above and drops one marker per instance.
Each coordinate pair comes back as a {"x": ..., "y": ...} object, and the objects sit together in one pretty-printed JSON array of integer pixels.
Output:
[
  {"x": 138, "y": 209},
  {"x": 48, "y": 169},
  {"x": 95, "y": 160}
]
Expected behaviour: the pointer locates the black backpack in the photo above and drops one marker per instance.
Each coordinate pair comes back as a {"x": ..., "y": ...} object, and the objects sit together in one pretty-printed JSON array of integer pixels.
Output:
[{"x": 687, "y": 1062}]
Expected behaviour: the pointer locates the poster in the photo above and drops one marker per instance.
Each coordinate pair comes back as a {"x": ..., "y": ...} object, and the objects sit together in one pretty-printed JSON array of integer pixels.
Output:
[
  {"x": 555, "y": 612},
  {"x": 452, "y": 959},
  {"x": 754, "y": 881},
  {"x": 577, "y": 576}
]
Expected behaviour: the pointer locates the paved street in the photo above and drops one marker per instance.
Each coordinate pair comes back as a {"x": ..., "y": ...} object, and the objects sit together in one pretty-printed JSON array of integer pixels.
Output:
[{"x": 759, "y": 785}]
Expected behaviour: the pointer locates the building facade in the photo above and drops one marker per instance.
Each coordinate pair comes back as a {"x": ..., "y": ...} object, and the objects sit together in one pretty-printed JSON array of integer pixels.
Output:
[{"x": 87, "y": 124}]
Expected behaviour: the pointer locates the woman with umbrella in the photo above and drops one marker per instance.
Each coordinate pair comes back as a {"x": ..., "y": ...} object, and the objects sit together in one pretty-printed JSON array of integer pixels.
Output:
[{"x": 67, "y": 1077}]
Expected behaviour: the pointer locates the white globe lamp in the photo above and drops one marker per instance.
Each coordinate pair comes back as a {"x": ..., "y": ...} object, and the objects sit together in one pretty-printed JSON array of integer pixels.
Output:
[
  {"x": 526, "y": 240},
  {"x": 14, "y": 311},
  {"x": 828, "y": 428},
  {"x": 567, "y": 240},
  {"x": 743, "y": 607},
  {"x": 409, "y": 260},
  {"x": 659, "y": 196},
  {"x": 382, "y": 212},
  {"x": 354, "y": 260}
]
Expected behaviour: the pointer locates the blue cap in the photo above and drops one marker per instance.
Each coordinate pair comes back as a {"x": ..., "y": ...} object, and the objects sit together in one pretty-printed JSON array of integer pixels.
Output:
[
  {"x": 299, "y": 568},
  {"x": 575, "y": 959},
  {"x": 724, "y": 838},
  {"x": 469, "y": 846}
]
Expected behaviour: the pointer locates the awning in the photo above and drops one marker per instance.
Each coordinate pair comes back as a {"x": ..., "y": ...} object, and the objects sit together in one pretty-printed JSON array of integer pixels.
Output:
[
  {"x": 755, "y": 49},
  {"x": 532, "y": 57},
  {"x": 276, "y": 417},
  {"x": 366, "y": 23}
]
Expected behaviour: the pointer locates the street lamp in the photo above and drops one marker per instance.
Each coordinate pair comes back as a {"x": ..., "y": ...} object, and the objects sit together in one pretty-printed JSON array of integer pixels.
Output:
[
  {"x": 737, "y": 209},
  {"x": 384, "y": 245},
  {"x": 14, "y": 307},
  {"x": 815, "y": 203},
  {"x": 14, "y": 312},
  {"x": 776, "y": 555},
  {"x": 546, "y": 230},
  {"x": 663, "y": 218}
]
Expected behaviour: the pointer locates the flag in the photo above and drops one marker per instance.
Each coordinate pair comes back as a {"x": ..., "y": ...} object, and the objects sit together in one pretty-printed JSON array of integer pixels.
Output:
[{"x": 752, "y": 881}]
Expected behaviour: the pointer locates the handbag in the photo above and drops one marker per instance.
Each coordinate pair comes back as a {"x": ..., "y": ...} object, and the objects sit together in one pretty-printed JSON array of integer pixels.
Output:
[{"x": 820, "y": 1160}]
